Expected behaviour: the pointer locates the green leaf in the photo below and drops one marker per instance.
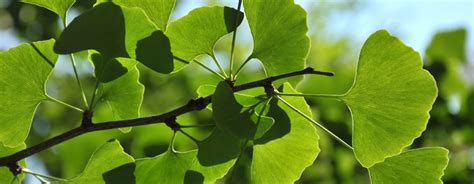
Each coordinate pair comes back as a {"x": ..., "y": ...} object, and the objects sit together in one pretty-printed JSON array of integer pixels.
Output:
[
  {"x": 290, "y": 145},
  {"x": 117, "y": 31},
  {"x": 424, "y": 165},
  {"x": 390, "y": 99},
  {"x": 219, "y": 147},
  {"x": 229, "y": 115},
  {"x": 24, "y": 71},
  {"x": 178, "y": 167},
  {"x": 5, "y": 175},
  {"x": 59, "y": 7},
  {"x": 158, "y": 11},
  {"x": 105, "y": 159},
  {"x": 448, "y": 45},
  {"x": 280, "y": 35},
  {"x": 120, "y": 99},
  {"x": 107, "y": 70},
  {"x": 101, "y": 28},
  {"x": 197, "y": 32}
]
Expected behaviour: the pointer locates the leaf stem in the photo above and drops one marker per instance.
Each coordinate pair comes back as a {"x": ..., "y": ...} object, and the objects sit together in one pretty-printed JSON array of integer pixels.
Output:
[
  {"x": 209, "y": 69},
  {"x": 219, "y": 65},
  {"x": 234, "y": 35},
  {"x": 312, "y": 95},
  {"x": 73, "y": 63},
  {"x": 94, "y": 94},
  {"x": 189, "y": 136},
  {"x": 52, "y": 99},
  {"x": 314, "y": 122},
  {"x": 241, "y": 66},
  {"x": 25, "y": 170},
  {"x": 171, "y": 145},
  {"x": 76, "y": 74}
]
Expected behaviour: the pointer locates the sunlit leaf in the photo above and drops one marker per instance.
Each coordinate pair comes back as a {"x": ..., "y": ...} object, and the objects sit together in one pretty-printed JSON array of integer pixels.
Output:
[
  {"x": 178, "y": 167},
  {"x": 5, "y": 175},
  {"x": 198, "y": 31},
  {"x": 105, "y": 159},
  {"x": 158, "y": 11},
  {"x": 290, "y": 145},
  {"x": 24, "y": 71},
  {"x": 390, "y": 98},
  {"x": 424, "y": 165},
  {"x": 121, "y": 99},
  {"x": 59, "y": 7},
  {"x": 117, "y": 31},
  {"x": 279, "y": 33}
]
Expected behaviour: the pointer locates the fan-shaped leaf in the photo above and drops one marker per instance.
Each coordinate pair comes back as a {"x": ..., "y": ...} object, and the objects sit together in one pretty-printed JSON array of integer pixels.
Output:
[
  {"x": 59, "y": 7},
  {"x": 198, "y": 32},
  {"x": 390, "y": 98},
  {"x": 105, "y": 159},
  {"x": 280, "y": 37},
  {"x": 117, "y": 31},
  {"x": 158, "y": 11},
  {"x": 424, "y": 165},
  {"x": 219, "y": 147},
  {"x": 24, "y": 71},
  {"x": 290, "y": 145},
  {"x": 178, "y": 167}
]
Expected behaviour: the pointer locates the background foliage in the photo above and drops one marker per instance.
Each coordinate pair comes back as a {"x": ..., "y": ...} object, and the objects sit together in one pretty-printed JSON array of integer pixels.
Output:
[{"x": 446, "y": 57}]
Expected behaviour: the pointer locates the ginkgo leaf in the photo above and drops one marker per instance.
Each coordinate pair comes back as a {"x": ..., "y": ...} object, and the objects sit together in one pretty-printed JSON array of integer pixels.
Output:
[
  {"x": 390, "y": 99},
  {"x": 105, "y": 159},
  {"x": 158, "y": 11},
  {"x": 198, "y": 31},
  {"x": 264, "y": 124},
  {"x": 117, "y": 31},
  {"x": 120, "y": 99},
  {"x": 101, "y": 28},
  {"x": 107, "y": 70},
  {"x": 229, "y": 115},
  {"x": 280, "y": 35},
  {"x": 24, "y": 71},
  {"x": 59, "y": 7},
  {"x": 290, "y": 145},
  {"x": 6, "y": 175},
  {"x": 178, "y": 167},
  {"x": 220, "y": 147},
  {"x": 418, "y": 166}
]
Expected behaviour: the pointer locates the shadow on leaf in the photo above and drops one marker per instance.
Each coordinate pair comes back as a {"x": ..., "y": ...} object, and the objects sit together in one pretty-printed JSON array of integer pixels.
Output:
[{"x": 120, "y": 175}]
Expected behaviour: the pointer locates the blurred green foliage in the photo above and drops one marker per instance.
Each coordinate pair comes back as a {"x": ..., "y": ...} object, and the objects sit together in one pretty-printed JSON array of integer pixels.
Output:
[{"x": 451, "y": 124}]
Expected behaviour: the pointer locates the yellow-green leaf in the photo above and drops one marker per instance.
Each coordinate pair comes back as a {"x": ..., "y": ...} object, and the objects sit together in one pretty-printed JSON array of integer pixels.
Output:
[
  {"x": 390, "y": 99},
  {"x": 418, "y": 166},
  {"x": 280, "y": 35},
  {"x": 24, "y": 71}
]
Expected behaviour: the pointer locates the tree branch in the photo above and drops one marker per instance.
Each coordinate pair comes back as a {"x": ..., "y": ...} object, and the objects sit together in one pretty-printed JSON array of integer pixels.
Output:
[{"x": 193, "y": 105}]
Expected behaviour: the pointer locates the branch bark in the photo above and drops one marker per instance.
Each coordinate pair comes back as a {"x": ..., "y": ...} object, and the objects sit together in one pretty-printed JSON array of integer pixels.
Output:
[{"x": 192, "y": 105}]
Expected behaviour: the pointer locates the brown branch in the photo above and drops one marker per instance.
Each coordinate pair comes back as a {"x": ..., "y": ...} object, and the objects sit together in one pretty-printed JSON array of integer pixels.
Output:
[{"x": 193, "y": 105}]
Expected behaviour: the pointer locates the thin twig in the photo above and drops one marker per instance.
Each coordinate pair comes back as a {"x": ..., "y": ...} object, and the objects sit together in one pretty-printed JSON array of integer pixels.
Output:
[{"x": 192, "y": 105}]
